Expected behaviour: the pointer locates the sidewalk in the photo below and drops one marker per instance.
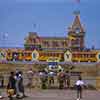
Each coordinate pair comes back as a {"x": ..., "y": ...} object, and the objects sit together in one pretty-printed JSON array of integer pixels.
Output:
[{"x": 57, "y": 95}]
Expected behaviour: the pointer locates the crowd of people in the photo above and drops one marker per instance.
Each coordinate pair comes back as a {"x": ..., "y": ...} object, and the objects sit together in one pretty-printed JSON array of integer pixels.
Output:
[
  {"x": 15, "y": 87},
  {"x": 48, "y": 78}
]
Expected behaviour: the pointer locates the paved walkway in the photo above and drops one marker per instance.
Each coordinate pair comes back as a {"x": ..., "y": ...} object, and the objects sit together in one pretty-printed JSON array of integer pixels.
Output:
[{"x": 57, "y": 95}]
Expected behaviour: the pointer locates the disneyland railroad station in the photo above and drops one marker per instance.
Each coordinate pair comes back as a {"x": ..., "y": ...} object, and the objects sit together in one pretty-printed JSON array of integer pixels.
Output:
[
  {"x": 67, "y": 53},
  {"x": 61, "y": 49},
  {"x": 36, "y": 66}
]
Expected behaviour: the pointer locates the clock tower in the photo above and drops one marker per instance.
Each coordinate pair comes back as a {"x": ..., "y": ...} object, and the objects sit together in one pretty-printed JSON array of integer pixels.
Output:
[{"x": 77, "y": 33}]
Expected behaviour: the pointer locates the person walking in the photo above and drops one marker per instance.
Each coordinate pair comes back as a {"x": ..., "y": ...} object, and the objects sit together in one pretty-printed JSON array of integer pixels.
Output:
[
  {"x": 61, "y": 78},
  {"x": 44, "y": 79},
  {"x": 21, "y": 85},
  {"x": 79, "y": 86},
  {"x": 30, "y": 75},
  {"x": 11, "y": 88},
  {"x": 1, "y": 84},
  {"x": 17, "y": 84},
  {"x": 68, "y": 79},
  {"x": 51, "y": 78}
]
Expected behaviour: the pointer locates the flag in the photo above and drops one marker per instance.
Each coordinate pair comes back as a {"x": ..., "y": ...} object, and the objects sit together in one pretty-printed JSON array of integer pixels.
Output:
[{"x": 77, "y": 1}]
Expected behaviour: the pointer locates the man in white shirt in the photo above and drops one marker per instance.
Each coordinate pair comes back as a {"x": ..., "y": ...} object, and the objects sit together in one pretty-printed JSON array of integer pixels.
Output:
[{"x": 79, "y": 85}]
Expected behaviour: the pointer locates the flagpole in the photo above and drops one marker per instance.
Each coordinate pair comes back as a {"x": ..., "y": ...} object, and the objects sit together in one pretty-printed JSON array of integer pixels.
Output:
[
  {"x": 34, "y": 27},
  {"x": 77, "y": 10}
]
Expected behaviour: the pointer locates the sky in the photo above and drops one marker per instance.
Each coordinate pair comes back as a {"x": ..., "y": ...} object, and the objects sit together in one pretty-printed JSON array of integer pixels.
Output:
[{"x": 50, "y": 17}]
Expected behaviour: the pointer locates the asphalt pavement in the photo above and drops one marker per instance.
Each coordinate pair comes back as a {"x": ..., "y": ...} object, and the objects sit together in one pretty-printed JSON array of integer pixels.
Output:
[{"x": 55, "y": 94}]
